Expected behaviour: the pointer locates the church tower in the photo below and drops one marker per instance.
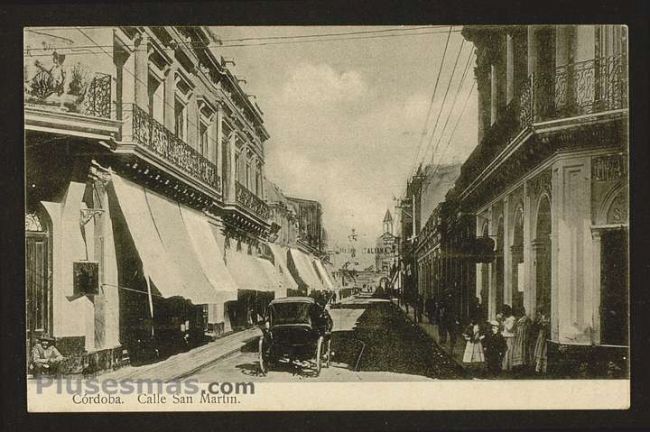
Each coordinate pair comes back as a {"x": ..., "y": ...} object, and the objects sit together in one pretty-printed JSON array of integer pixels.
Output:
[{"x": 388, "y": 223}]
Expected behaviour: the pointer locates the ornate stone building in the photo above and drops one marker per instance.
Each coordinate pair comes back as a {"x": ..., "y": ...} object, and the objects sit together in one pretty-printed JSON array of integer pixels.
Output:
[
  {"x": 548, "y": 183},
  {"x": 145, "y": 218}
]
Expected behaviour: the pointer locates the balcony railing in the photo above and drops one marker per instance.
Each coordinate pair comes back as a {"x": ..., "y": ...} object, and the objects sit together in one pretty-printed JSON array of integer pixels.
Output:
[
  {"x": 575, "y": 89},
  {"x": 250, "y": 201},
  {"x": 82, "y": 95},
  {"x": 155, "y": 137},
  {"x": 588, "y": 87}
]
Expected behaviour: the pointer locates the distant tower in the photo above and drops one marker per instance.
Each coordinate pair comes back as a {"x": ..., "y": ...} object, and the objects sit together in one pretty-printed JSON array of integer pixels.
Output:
[{"x": 388, "y": 223}]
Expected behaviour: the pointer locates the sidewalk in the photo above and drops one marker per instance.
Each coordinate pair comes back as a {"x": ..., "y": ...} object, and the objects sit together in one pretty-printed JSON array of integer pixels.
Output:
[
  {"x": 185, "y": 364},
  {"x": 432, "y": 331}
]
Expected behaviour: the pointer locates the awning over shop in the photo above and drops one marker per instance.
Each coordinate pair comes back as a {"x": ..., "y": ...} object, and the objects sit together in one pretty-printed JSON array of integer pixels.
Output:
[
  {"x": 210, "y": 256},
  {"x": 280, "y": 258},
  {"x": 274, "y": 276},
  {"x": 248, "y": 272},
  {"x": 305, "y": 270},
  {"x": 324, "y": 275},
  {"x": 162, "y": 242}
]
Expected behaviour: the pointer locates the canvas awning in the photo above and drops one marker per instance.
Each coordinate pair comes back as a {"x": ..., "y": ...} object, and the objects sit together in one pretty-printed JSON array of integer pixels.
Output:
[
  {"x": 210, "y": 257},
  {"x": 248, "y": 272},
  {"x": 324, "y": 275},
  {"x": 168, "y": 258},
  {"x": 304, "y": 270},
  {"x": 280, "y": 258},
  {"x": 272, "y": 274}
]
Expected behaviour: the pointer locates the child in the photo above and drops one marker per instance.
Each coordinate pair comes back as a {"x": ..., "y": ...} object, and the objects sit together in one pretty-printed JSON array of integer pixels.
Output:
[
  {"x": 473, "y": 356},
  {"x": 495, "y": 347}
]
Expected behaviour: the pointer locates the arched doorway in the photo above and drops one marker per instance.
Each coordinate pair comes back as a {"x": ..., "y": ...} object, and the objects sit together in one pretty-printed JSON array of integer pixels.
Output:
[
  {"x": 517, "y": 250},
  {"x": 542, "y": 252},
  {"x": 499, "y": 270}
]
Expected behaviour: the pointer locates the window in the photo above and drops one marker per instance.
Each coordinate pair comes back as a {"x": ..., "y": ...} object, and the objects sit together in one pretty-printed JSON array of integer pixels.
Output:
[
  {"x": 204, "y": 139},
  {"x": 237, "y": 166},
  {"x": 156, "y": 101},
  {"x": 180, "y": 120},
  {"x": 248, "y": 175},
  {"x": 258, "y": 181}
]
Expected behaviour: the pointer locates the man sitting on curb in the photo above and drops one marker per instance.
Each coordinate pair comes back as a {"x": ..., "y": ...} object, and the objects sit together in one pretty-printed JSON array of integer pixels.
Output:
[{"x": 46, "y": 359}]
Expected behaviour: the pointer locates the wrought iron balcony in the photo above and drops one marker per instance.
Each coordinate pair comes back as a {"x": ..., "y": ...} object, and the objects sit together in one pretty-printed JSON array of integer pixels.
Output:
[
  {"x": 250, "y": 201},
  {"x": 152, "y": 135},
  {"x": 575, "y": 89},
  {"x": 84, "y": 94}
]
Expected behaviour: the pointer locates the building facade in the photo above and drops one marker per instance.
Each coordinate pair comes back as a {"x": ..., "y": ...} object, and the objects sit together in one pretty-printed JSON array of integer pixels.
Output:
[
  {"x": 386, "y": 247},
  {"x": 310, "y": 220},
  {"x": 145, "y": 206},
  {"x": 548, "y": 183}
]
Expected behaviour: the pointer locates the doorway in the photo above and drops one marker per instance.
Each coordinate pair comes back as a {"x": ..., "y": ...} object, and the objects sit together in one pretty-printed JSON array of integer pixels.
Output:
[{"x": 614, "y": 287}]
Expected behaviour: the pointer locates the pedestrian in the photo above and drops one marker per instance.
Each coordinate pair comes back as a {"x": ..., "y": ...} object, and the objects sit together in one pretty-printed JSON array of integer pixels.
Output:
[
  {"x": 509, "y": 329},
  {"x": 540, "y": 353},
  {"x": 473, "y": 358},
  {"x": 454, "y": 331},
  {"x": 46, "y": 359},
  {"x": 521, "y": 349},
  {"x": 495, "y": 347},
  {"x": 442, "y": 321}
]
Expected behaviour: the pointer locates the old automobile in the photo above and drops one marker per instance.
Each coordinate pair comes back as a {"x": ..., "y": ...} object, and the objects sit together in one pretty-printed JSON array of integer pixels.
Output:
[{"x": 296, "y": 330}]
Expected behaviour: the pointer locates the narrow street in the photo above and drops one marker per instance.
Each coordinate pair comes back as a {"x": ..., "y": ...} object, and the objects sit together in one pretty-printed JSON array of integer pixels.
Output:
[{"x": 372, "y": 340}]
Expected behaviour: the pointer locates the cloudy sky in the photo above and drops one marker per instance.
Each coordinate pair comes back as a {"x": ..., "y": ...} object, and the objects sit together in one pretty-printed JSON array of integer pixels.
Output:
[{"x": 346, "y": 117}]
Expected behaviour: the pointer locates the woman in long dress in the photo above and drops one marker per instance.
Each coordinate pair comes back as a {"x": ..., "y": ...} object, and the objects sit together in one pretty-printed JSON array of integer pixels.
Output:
[
  {"x": 509, "y": 329},
  {"x": 473, "y": 356},
  {"x": 521, "y": 349},
  {"x": 539, "y": 354}
]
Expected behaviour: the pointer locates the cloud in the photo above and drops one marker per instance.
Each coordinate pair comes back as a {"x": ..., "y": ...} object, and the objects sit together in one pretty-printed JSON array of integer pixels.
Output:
[{"x": 317, "y": 84}]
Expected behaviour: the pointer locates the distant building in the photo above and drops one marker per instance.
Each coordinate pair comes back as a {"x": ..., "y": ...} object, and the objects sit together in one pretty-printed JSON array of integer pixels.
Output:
[
  {"x": 385, "y": 248},
  {"x": 310, "y": 221}
]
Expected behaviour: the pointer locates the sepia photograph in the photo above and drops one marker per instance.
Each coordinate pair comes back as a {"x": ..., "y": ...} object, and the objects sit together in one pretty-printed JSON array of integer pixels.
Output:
[{"x": 219, "y": 217}]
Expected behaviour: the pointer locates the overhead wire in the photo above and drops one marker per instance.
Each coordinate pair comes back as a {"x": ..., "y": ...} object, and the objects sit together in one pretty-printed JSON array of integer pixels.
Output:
[
  {"x": 444, "y": 99},
  {"x": 199, "y": 45},
  {"x": 451, "y": 110},
  {"x": 433, "y": 96}
]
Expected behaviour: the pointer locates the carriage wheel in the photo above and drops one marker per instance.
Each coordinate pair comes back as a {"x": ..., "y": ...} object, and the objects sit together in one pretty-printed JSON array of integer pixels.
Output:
[
  {"x": 328, "y": 353},
  {"x": 319, "y": 353},
  {"x": 264, "y": 364}
]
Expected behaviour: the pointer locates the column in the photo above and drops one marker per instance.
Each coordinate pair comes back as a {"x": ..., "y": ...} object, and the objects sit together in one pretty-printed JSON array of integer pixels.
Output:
[
  {"x": 529, "y": 280},
  {"x": 507, "y": 254},
  {"x": 494, "y": 307},
  {"x": 494, "y": 94},
  {"x": 193, "y": 123},
  {"x": 510, "y": 69},
  {"x": 142, "y": 72},
  {"x": 169, "y": 97},
  {"x": 128, "y": 84},
  {"x": 232, "y": 148},
  {"x": 596, "y": 287},
  {"x": 532, "y": 50},
  {"x": 219, "y": 135}
]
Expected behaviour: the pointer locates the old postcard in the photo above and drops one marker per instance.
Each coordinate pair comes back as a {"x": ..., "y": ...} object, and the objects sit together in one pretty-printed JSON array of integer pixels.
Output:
[{"x": 326, "y": 217}]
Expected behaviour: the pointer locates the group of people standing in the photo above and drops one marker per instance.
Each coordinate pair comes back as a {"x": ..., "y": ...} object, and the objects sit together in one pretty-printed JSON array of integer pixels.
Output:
[{"x": 512, "y": 343}]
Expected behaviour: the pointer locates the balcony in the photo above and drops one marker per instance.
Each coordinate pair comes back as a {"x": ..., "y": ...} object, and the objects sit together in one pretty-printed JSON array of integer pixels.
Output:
[
  {"x": 251, "y": 202},
  {"x": 588, "y": 87},
  {"x": 85, "y": 93},
  {"x": 149, "y": 134},
  {"x": 592, "y": 87}
]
